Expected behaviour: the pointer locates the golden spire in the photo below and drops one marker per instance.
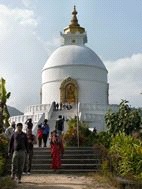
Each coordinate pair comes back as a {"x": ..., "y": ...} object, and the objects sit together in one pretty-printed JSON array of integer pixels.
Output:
[
  {"x": 74, "y": 21},
  {"x": 74, "y": 26}
]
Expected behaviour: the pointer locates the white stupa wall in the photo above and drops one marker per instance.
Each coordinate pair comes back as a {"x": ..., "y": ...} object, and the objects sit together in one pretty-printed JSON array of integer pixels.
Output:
[{"x": 92, "y": 83}]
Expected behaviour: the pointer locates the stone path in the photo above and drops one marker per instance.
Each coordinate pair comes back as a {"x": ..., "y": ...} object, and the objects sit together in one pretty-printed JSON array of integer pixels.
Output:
[{"x": 63, "y": 181}]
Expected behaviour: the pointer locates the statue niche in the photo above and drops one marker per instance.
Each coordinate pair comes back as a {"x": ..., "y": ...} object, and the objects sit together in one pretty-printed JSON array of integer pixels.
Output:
[{"x": 69, "y": 91}]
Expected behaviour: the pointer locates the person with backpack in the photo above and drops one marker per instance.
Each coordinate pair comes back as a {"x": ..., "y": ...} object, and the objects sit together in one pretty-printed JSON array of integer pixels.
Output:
[
  {"x": 46, "y": 130},
  {"x": 59, "y": 126}
]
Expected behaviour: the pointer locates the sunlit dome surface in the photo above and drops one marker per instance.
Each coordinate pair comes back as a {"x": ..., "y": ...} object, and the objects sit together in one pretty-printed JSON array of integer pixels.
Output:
[{"x": 73, "y": 55}]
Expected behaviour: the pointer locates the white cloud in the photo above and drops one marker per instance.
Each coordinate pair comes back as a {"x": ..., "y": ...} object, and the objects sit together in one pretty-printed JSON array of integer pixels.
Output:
[
  {"x": 22, "y": 55},
  {"x": 28, "y": 3},
  {"x": 125, "y": 79}
]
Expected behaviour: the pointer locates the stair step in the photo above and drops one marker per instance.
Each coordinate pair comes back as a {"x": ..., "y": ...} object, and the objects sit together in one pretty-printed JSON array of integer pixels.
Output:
[
  {"x": 75, "y": 160},
  {"x": 49, "y": 171},
  {"x": 67, "y": 166},
  {"x": 69, "y": 156},
  {"x": 40, "y": 171},
  {"x": 38, "y": 161},
  {"x": 66, "y": 148}
]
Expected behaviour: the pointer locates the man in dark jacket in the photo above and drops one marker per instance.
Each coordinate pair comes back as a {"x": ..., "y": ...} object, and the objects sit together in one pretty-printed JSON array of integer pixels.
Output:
[
  {"x": 59, "y": 127},
  {"x": 18, "y": 147}
]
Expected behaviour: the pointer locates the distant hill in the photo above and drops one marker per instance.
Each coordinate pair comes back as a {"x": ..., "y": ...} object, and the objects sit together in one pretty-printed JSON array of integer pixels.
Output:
[{"x": 14, "y": 112}]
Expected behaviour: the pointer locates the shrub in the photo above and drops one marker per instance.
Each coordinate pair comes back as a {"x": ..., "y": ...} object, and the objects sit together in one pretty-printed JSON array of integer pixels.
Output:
[
  {"x": 3, "y": 144},
  {"x": 2, "y": 164},
  {"x": 7, "y": 183},
  {"x": 70, "y": 137},
  {"x": 126, "y": 156},
  {"x": 3, "y": 152},
  {"x": 126, "y": 119},
  {"x": 103, "y": 138}
]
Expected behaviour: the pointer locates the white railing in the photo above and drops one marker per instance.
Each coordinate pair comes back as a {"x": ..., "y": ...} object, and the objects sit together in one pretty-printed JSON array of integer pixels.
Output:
[
  {"x": 36, "y": 119},
  {"x": 92, "y": 107},
  {"x": 50, "y": 111},
  {"x": 23, "y": 118},
  {"x": 40, "y": 120},
  {"x": 37, "y": 108},
  {"x": 91, "y": 117}
]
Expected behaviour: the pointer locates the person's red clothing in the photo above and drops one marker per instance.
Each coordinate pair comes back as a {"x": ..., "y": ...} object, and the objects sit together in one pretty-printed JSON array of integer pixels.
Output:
[
  {"x": 39, "y": 133},
  {"x": 55, "y": 153}
]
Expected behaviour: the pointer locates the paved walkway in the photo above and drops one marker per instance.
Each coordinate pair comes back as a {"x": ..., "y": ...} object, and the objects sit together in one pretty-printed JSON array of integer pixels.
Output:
[{"x": 63, "y": 181}]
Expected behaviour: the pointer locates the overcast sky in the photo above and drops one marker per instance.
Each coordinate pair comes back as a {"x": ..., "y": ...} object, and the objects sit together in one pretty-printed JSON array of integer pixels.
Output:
[{"x": 29, "y": 33}]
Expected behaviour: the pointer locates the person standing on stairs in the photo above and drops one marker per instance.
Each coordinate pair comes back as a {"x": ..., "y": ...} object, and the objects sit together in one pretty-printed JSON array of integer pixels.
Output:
[
  {"x": 59, "y": 126},
  {"x": 10, "y": 130},
  {"x": 39, "y": 135},
  {"x": 29, "y": 156},
  {"x": 29, "y": 123},
  {"x": 55, "y": 151},
  {"x": 46, "y": 130}
]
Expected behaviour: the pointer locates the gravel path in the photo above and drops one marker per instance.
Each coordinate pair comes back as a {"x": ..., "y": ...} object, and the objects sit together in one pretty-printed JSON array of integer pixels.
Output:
[{"x": 63, "y": 181}]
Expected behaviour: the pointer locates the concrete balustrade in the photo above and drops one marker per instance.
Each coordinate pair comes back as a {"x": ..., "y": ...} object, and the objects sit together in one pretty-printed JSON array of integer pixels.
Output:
[
  {"x": 37, "y": 108},
  {"x": 94, "y": 116},
  {"x": 92, "y": 107},
  {"x": 23, "y": 118}
]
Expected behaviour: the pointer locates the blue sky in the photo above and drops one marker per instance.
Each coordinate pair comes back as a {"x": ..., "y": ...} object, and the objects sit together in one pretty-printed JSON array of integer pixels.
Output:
[{"x": 29, "y": 33}]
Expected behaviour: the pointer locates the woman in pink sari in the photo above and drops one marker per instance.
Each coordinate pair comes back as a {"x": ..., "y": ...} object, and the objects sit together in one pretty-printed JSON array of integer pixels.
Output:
[{"x": 56, "y": 151}]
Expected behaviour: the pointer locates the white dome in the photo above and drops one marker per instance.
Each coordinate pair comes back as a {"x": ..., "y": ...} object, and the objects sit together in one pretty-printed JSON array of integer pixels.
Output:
[
  {"x": 81, "y": 64},
  {"x": 73, "y": 55}
]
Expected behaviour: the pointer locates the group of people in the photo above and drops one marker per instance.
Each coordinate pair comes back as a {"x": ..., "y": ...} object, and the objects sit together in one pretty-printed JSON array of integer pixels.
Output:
[
  {"x": 60, "y": 106},
  {"x": 21, "y": 145},
  {"x": 20, "y": 149},
  {"x": 43, "y": 133},
  {"x": 55, "y": 139}
]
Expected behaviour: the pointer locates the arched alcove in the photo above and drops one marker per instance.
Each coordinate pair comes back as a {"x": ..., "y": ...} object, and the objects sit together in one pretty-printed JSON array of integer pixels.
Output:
[{"x": 69, "y": 91}]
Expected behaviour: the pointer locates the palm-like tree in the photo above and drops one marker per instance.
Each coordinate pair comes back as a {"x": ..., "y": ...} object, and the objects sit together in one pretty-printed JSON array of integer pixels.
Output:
[{"x": 4, "y": 114}]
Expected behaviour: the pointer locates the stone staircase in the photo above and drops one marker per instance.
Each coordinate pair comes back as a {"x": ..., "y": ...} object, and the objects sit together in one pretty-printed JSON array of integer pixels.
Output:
[
  {"x": 83, "y": 159},
  {"x": 68, "y": 114}
]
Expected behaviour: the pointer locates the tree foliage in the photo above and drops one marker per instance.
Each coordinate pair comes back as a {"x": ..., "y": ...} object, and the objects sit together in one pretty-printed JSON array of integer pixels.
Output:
[
  {"x": 4, "y": 114},
  {"x": 126, "y": 119},
  {"x": 71, "y": 136},
  {"x": 126, "y": 156}
]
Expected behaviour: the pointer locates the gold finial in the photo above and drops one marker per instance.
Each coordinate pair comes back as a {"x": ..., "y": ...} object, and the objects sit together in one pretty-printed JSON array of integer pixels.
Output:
[
  {"x": 74, "y": 26},
  {"x": 74, "y": 20}
]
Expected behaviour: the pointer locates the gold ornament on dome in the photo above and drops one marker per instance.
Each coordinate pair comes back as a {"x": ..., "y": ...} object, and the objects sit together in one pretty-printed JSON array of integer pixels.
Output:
[
  {"x": 74, "y": 26},
  {"x": 69, "y": 91}
]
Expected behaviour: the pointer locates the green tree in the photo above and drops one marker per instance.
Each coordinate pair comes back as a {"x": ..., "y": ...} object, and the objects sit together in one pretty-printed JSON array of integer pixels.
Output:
[
  {"x": 4, "y": 114},
  {"x": 71, "y": 137},
  {"x": 126, "y": 119},
  {"x": 126, "y": 156}
]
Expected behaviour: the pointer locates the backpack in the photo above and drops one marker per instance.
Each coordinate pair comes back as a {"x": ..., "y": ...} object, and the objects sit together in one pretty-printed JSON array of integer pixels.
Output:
[{"x": 45, "y": 129}]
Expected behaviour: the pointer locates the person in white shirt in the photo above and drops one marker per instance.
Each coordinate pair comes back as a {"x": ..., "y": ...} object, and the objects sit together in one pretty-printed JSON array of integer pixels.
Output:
[{"x": 10, "y": 130}]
